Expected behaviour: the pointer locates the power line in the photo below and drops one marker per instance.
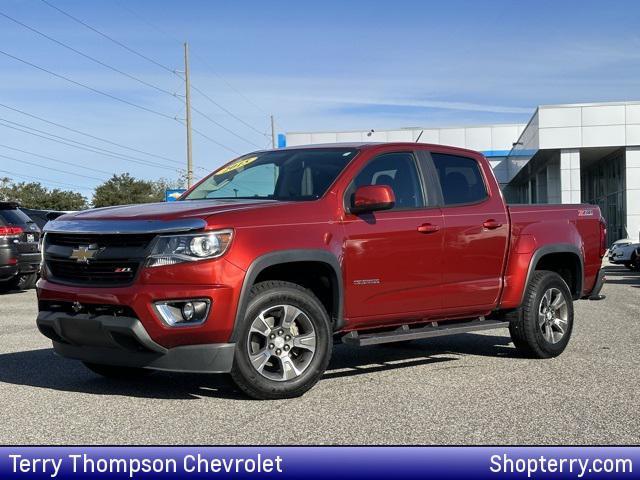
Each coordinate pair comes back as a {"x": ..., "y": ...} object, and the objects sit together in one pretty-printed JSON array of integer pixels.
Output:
[
  {"x": 201, "y": 113},
  {"x": 21, "y": 175},
  {"x": 173, "y": 37},
  {"x": 95, "y": 90},
  {"x": 238, "y": 92},
  {"x": 204, "y": 135},
  {"x": 54, "y": 159},
  {"x": 87, "y": 134},
  {"x": 50, "y": 168},
  {"x": 83, "y": 146},
  {"x": 122, "y": 100},
  {"x": 228, "y": 112},
  {"x": 129, "y": 49},
  {"x": 93, "y": 59}
]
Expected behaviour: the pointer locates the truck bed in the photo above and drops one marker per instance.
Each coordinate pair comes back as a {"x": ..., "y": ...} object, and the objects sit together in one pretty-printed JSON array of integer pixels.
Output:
[{"x": 548, "y": 224}]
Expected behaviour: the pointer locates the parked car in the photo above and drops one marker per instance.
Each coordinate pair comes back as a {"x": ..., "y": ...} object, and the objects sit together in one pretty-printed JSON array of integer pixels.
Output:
[
  {"x": 19, "y": 253},
  {"x": 41, "y": 217},
  {"x": 623, "y": 252},
  {"x": 259, "y": 266},
  {"x": 636, "y": 260}
]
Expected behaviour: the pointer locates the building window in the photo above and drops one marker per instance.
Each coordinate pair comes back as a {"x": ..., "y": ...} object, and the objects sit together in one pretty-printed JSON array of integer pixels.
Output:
[{"x": 603, "y": 184}]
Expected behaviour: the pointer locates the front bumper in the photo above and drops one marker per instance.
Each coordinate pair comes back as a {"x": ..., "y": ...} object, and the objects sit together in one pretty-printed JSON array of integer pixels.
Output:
[
  {"x": 162, "y": 284},
  {"x": 123, "y": 341},
  {"x": 617, "y": 259}
]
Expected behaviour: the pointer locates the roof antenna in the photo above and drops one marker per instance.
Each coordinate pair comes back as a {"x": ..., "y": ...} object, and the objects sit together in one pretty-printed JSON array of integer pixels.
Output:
[{"x": 421, "y": 132}]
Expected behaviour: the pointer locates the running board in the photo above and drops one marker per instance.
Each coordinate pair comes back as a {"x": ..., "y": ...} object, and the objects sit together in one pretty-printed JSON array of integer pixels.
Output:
[{"x": 431, "y": 330}]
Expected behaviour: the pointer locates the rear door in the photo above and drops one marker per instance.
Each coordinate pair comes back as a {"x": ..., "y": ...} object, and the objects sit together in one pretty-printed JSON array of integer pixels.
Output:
[
  {"x": 476, "y": 230},
  {"x": 393, "y": 258}
]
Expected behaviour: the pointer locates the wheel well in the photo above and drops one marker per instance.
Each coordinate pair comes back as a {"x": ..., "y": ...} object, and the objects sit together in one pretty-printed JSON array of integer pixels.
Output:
[
  {"x": 567, "y": 265},
  {"x": 319, "y": 277}
]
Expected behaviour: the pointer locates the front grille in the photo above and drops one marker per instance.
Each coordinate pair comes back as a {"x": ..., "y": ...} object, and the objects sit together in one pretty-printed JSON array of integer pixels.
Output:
[
  {"x": 107, "y": 240},
  {"x": 115, "y": 260},
  {"x": 97, "y": 273}
]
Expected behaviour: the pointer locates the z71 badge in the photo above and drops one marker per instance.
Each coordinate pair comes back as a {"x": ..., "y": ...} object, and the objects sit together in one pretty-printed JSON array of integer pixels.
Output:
[{"x": 585, "y": 213}]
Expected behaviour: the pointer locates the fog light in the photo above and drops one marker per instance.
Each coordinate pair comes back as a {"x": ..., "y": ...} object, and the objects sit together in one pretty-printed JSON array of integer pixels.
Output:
[
  {"x": 188, "y": 311},
  {"x": 176, "y": 313}
]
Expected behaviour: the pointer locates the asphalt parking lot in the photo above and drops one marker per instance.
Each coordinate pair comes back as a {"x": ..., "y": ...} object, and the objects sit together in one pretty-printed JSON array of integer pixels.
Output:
[{"x": 465, "y": 389}]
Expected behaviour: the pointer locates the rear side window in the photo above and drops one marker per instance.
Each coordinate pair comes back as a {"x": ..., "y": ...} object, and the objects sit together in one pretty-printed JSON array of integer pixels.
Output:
[
  {"x": 460, "y": 179},
  {"x": 398, "y": 171},
  {"x": 13, "y": 217}
]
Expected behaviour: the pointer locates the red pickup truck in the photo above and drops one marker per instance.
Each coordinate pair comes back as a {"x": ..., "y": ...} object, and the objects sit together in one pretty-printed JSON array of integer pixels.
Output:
[{"x": 261, "y": 265}]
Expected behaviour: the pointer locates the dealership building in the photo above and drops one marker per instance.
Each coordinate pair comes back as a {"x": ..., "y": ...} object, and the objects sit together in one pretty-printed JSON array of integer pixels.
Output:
[{"x": 574, "y": 153}]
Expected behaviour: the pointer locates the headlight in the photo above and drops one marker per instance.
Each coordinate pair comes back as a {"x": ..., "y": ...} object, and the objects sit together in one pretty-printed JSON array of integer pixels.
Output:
[{"x": 173, "y": 249}]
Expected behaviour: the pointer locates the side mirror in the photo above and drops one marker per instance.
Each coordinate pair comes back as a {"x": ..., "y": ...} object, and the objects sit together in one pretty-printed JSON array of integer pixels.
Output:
[{"x": 371, "y": 198}]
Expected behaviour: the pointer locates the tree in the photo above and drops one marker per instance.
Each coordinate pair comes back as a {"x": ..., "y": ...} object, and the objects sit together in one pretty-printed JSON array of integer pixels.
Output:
[
  {"x": 66, "y": 200},
  {"x": 163, "y": 184},
  {"x": 35, "y": 195},
  {"x": 124, "y": 189}
]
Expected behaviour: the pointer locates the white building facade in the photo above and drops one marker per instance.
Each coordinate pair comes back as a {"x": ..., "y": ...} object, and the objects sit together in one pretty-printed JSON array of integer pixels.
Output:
[{"x": 576, "y": 153}]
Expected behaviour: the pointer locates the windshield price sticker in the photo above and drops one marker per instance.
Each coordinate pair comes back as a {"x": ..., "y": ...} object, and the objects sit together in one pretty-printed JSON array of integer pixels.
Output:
[{"x": 237, "y": 165}]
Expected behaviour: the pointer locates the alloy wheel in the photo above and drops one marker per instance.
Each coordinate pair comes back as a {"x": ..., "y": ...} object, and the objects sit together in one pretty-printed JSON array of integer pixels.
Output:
[
  {"x": 553, "y": 315},
  {"x": 281, "y": 342}
]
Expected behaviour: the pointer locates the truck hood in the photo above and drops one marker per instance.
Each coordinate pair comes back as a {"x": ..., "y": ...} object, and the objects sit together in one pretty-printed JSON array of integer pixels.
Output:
[{"x": 169, "y": 210}]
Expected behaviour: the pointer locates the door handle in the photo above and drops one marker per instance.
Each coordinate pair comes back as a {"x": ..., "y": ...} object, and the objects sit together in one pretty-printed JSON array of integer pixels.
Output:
[
  {"x": 491, "y": 224},
  {"x": 428, "y": 228}
]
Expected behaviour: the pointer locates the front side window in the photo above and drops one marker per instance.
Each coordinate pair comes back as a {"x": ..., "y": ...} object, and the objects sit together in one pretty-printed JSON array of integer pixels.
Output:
[
  {"x": 299, "y": 174},
  {"x": 398, "y": 171},
  {"x": 460, "y": 179}
]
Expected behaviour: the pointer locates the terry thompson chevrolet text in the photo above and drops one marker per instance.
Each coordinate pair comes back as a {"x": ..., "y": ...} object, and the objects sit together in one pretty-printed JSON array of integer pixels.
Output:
[{"x": 257, "y": 269}]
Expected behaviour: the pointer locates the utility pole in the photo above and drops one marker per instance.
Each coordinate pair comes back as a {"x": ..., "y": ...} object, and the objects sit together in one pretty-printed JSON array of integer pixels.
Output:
[
  {"x": 273, "y": 132},
  {"x": 187, "y": 99}
]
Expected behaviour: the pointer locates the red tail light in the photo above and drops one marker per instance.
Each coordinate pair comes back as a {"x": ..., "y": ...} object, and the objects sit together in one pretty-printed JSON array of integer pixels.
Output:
[
  {"x": 8, "y": 232},
  {"x": 603, "y": 237}
]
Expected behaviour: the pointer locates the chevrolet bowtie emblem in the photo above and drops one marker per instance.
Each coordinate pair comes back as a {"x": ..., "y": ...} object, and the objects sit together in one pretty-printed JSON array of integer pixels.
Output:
[{"x": 84, "y": 253}]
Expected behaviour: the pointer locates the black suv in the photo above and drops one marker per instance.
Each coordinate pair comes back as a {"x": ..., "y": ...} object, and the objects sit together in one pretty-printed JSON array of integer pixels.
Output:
[{"x": 19, "y": 252}]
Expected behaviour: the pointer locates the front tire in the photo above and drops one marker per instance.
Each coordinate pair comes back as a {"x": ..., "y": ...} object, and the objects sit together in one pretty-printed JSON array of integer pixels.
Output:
[
  {"x": 284, "y": 343},
  {"x": 542, "y": 328}
]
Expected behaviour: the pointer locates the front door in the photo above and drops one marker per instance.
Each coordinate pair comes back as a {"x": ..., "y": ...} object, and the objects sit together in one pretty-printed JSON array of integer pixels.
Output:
[{"x": 393, "y": 258}]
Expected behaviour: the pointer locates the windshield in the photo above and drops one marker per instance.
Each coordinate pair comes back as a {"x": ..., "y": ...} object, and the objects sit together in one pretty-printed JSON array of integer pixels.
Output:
[{"x": 300, "y": 174}]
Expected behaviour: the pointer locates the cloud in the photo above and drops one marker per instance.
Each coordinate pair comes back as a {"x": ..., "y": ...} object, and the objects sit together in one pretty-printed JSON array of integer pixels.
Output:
[{"x": 439, "y": 104}]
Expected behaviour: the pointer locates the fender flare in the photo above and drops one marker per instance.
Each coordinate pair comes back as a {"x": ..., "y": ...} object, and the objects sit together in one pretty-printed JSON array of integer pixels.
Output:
[
  {"x": 291, "y": 256},
  {"x": 557, "y": 248}
]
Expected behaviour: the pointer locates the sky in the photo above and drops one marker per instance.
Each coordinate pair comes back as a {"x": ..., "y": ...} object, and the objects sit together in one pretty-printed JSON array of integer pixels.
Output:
[{"x": 316, "y": 66}]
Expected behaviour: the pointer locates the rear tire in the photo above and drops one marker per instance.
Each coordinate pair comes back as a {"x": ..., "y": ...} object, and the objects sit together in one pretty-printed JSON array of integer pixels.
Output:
[
  {"x": 284, "y": 343},
  {"x": 633, "y": 265},
  {"x": 116, "y": 372},
  {"x": 542, "y": 328}
]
